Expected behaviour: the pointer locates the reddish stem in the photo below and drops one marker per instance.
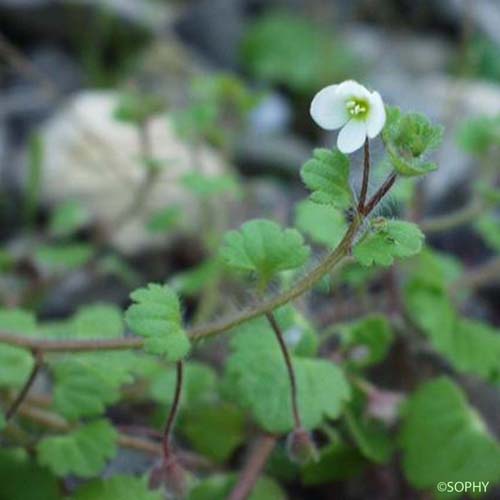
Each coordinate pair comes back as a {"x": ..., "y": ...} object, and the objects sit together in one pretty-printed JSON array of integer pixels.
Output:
[{"x": 167, "y": 433}]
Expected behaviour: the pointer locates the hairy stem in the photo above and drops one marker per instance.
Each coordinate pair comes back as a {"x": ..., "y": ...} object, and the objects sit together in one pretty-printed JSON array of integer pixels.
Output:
[
  {"x": 174, "y": 410},
  {"x": 253, "y": 467},
  {"x": 381, "y": 192},
  {"x": 27, "y": 385},
  {"x": 291, "y": 372},
  {"x": 366, "y": 177}
]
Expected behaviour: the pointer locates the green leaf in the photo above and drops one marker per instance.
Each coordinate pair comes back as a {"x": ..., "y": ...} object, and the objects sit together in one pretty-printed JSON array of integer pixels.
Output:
[
  {"x": 387, "y": 240},
  {"x": 83, "y": 452},
  {"x": 219, "y": 486},
  {"x": 156, "y": 315},
  {"x": 205, "y": 186},
  {"x": 371, "y": 438},
  {"x": 324, "y": 224},
  {"x": 68, "y": 218},
  {"x": 409, "y": 138},
  {"x": 337, "y": 461},
  {"x": 488, "y": 226},
  {"x": 477, "y": 135},
  {"x": 59, "y": 258},
  {"x": 470, "y": 346},
  {"x": 445, "y": 439},
  {"x": 291, "y": 50},
  {"x": 263, "y": 247},
  {"x": 16, "y": 363},
  {"x": 367, "y": 341},
  {"x": 257, "y": 359},
  {"x": 97, "y": 321},
  {"x": 199, "y": 384},
  {"x": 194, "y": 280},
  {"x": 86, "y": 383},
  {"x": 164, "y": 220},
  {"x": 327, "y": 176},
  {"x": 136, "y": 107},
  {"x": 117, "y": 488},
  {"x": 21, "y": 478},
  {"x": 215, "y": 431}
]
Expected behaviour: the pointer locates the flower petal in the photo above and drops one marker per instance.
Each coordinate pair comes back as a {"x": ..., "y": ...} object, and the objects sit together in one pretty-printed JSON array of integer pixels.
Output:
[
  {"x": 376, "y": 117},
  {"x": 350, "y": 88},
  {"x": 328, "y": 108},
  {"x": 352, "y": 136}
]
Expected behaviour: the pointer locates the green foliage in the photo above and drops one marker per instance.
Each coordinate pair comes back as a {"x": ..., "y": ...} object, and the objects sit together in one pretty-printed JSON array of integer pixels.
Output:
[
  {"x": 22, "y": 478},
  {"x": 68, "y": 218},
  {"x": 117, "y": 488},
  {"x": 16, "y": 363},
  {"x": 327, "y": 176},
  {"x": 82, "y": 452},
  {"x": 63, "y": 257},
  {"x": 337, "y": 461},
  {"x": 488, "y": 226},
  {"x": 286, "y": 49},
  {"x": 164, "y": 220},
  {"x": 137, "y": 107},
  {"x": 156, "y": 316},
  {"x": 478, "y": 135},
  {"x": 206, "y": 186},
  {"x": 263, "y": 247},
  {"x": 324, "y": 224},
  {"x": 366, "y": 341},
  {"x": 257, "y": 359},
  {"x": 387, "y": 240},
  {"x": 198, "y": 388},
  {"x": 192, "y": 281},
  {"x": 409, "y": 138},
  {"x": 442, "y": 437},
  {"x": 482, "y": 58},
  {"x": 214, "y": 430},
  {"x": 220, "y": 485}
]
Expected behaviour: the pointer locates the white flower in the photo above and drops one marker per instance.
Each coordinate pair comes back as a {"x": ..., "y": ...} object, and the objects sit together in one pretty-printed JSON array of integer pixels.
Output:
[{"x": 349, "y": 105}]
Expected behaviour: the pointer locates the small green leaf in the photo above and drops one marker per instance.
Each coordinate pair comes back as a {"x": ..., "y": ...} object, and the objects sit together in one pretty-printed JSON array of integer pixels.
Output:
[
  {"x": 97, "y": 321},
  {"x": 83, "y": 452},
  {"x": 442, "y": 437},
  {"x": 68, "y": 218},
  {"x": 156, "y": 315},
  {"x": 206, "y": 186},
  {"x": 59, "y": 258},
  {"x": 117, "y": 488},
  {"x": 219, "y": 486},
  {"x": 367, "y": 341},
  {"x": 193, "y": 280},
  {"x": 327, "y": 176},
  {"x": 325, "y": 224},
  {"x": 477, "y": 135},
  {"x": 409, "y": 138},
  {"x": 164, "y": 220},
  {"x": 263, "y": 247},
  {"x": 387, "y": 240}
]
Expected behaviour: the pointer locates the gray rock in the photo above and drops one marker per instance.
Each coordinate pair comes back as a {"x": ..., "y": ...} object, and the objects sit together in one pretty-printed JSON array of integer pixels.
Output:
[{"x": 273, "y": 115}]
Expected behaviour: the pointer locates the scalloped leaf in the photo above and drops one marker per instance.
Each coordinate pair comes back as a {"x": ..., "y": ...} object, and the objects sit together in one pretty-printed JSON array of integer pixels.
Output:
[
  {"x": 443, "y": 438},
  {"x": 263, "y": 247},
  {"x": 324, "y": 224},
  {"x": 257, "y": 359},
  {"x": 327, "y": 176},
  {"x": 156, "y": 316},
  {"x": 387, "y": 240},
  {"x": 83, "y": 452}
]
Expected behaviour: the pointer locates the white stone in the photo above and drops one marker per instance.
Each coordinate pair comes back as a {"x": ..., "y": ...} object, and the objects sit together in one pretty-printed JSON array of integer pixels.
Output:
[{"x": 94, "y": 159}]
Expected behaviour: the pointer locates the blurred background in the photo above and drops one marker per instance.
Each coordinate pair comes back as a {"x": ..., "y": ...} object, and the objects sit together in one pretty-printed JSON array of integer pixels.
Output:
[{"x": 115, "y": 115}]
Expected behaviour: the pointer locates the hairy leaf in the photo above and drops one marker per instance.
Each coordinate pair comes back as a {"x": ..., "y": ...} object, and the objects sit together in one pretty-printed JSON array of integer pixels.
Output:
[
  {"x": 263, "y": 247},
  {"x": 387, "y": 240},
  {"x": 83, "y": 452},
  {"x": 156, "y": 316},
  {"x": 327, "y": 176}
]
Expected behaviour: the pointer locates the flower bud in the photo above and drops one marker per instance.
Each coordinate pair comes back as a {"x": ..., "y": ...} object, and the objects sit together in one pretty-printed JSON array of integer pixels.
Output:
[
  {"x": 170, "y": 475},
  {"x": 300, "y": 447}
]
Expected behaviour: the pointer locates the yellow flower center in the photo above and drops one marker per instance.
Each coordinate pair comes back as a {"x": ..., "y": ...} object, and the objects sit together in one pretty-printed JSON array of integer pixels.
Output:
[{"x": 357, "y": 108}]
